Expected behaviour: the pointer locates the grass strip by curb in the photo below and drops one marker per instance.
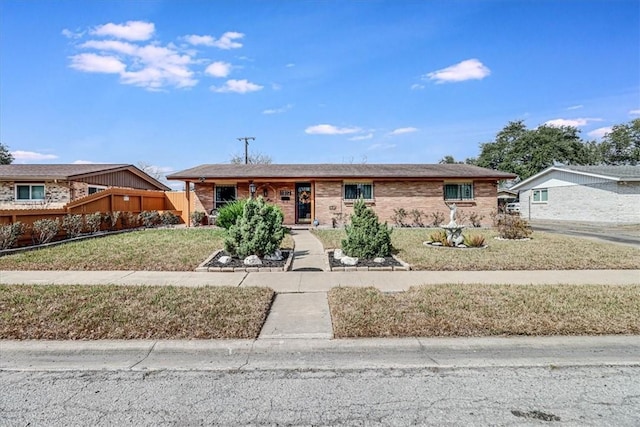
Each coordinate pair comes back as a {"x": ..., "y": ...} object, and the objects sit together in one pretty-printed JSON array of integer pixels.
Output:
[
  {"x": 486, "y": 310},
  {"x": 71, "y": 312}
]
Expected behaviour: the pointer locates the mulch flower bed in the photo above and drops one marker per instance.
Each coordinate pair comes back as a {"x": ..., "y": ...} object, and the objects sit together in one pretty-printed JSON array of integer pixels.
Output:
[
  {"x": 389, "y": 264},
  {"x": 237, "y": 264}
]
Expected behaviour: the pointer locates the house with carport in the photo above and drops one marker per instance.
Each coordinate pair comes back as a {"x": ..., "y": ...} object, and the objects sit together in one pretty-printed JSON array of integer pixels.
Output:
[{"x": 324, "y": 194}]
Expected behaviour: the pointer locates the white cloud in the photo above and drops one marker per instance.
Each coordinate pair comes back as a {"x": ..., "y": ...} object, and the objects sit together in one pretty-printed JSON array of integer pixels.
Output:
[
  {"x": 72, "y": 35},
  {"x": 600, "y": 132},
  {"x": 325, "y": 129},
  {"x": 278, "y": 110},
  {"x": 83, "y": 162},
  {"x": 92, "y": 63},
  {"x": 417, "y": 86},
  {"x": 361, "y": 137},
  {"x": 634, "y": 112},
  {"x": 218, "y": 69},
  {"x": 226, "y": 42},
  {"x": 237, "y": 86},
  {"x": 290, "y": 65},
  {"x": 111, "y": 45},
  {"x": 31, "y": 155},
  {"x": 575, "y": 107},
  {"x": 470, "y": 69},
  {"x": 132, "y": 30},
  {"x": 401, "y": 131},
  {"x": 570, "y": 122},
  {"x": 381, "y": 146}
]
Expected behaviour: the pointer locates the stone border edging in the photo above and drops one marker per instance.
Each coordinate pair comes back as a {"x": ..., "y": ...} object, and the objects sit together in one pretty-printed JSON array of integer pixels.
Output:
[
  {"x": 403, "y": 267},
  {"x": 202, "y": 267}
]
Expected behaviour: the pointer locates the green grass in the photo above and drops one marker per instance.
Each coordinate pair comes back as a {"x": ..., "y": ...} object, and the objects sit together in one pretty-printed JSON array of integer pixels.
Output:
[
  {"x": 486, "y": 310},
  {"x": 131, "y": 312},
  {"x": 178, "y": 249},
  {"x": 545, "y": 251}
]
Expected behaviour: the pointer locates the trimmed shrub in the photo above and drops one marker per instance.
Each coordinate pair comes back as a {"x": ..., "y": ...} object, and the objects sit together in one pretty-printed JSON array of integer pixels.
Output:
[
  {"x": 72, "y": 224},
  {"x": 112, "y": 219},
  {"x": 399, "y": 217},
  {"x": 366, "y": 236},
  {"x": 512, "y": 226},
  {"x": 476, "y": 219},
  {"x": 228, "y": 214},
  {"x": 129, "y": 220},
  {"x": 437, "y": 218},
  {"x": 10, "y": 233},
  {"x": 416, "y": 215},
  {"x": 94, "y": 221},
  {"x": 149, "y": 219},
  {"x": 197, "y": 217},
  {"x": 258, "y": 231},
  {"x": 44, "y": 230},
  {"x": 168, "y": 218}
]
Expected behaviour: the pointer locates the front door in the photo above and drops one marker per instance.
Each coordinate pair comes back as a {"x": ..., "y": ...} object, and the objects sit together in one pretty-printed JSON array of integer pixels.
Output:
[{"x": 303, "y": 203}]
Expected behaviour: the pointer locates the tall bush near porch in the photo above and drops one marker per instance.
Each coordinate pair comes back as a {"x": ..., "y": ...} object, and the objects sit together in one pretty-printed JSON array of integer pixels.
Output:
[
  {"x": 366, "y": 236},
  {"x": 258, "y": 231}
]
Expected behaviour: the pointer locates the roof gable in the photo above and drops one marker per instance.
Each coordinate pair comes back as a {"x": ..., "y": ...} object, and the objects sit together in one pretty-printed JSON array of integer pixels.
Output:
[{"x": 612, "y": 173}]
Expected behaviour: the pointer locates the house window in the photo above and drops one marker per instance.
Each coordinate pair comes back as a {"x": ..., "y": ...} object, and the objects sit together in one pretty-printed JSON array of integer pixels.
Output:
[
  {"x": 94, "y": 190},
  {"x": 458, "y": 191},
  {"x": 224, "y": 195},
  {"x": 30, "y": 192},
  {"x": 358, "y": 190},
  {"x": 540, "y": 196}
]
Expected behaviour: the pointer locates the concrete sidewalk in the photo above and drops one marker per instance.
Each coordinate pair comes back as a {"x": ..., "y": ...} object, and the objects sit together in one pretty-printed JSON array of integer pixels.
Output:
[{"x": 292, "y": 281}]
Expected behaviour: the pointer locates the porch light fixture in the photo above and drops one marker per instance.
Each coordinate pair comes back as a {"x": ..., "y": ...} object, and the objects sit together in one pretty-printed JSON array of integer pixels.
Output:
[{"x": 252, "y": 189}]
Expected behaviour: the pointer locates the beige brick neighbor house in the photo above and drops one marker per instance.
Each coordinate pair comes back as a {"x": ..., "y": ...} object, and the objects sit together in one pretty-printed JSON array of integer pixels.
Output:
[
  {"x": 326, "y": 192},
  {"x": 53, "y": 186}
]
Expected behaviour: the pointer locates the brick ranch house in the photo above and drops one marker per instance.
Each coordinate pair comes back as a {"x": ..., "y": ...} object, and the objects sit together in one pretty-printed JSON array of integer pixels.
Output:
[
  {"x": 326, "y": 192},
  {"x": 54, "y": 185}
]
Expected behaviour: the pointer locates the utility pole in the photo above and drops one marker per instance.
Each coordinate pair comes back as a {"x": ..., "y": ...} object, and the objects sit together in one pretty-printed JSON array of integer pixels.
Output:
[{"x": 246, "y": 147}]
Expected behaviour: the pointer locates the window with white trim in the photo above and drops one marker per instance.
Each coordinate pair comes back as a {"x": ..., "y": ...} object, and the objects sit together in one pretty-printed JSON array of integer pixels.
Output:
[
  {"x": 358, "y": 190},
  {"x": 30, "y": 192},
  {"x": 224, "y": 195},
  {"x": 540, "y": 196},
  {"x": 461, "y": 191},
  {"x": 92, "y": 189}
]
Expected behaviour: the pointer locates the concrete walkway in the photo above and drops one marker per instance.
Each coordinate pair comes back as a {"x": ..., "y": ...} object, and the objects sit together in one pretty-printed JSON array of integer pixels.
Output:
[{"x": 308, "y": 254}]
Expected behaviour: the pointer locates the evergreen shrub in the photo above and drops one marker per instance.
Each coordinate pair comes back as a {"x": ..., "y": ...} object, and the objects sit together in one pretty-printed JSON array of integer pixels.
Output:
[
  {"x": 258, "y": 231},
  {"x": 229, "y": 213},
  {"x": 44, "y": 230},
  {"x": 366, "y": 236},
  {"x": 10, "y": 233},
  {"x": 72, "y": 224}
]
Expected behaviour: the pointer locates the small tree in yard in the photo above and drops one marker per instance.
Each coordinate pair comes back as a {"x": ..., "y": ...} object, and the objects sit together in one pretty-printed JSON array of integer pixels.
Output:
[
  {"x": 258, "y": 231},
  {"x": 366, "y": 236}
]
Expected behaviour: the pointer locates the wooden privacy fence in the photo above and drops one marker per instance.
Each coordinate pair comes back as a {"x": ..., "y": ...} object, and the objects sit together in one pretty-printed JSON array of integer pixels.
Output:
[{"x": 109, "y": 200}]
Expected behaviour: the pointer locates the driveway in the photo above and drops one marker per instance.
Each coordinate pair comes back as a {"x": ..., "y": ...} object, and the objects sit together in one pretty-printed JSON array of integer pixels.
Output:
[{"x": 626, "y": 234}]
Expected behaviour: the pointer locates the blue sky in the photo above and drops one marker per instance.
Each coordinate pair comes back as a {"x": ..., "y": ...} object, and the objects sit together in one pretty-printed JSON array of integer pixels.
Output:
[{"x": 173, "y": 83}]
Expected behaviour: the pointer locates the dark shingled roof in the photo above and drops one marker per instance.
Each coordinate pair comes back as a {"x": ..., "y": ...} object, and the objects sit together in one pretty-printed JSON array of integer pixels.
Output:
[
  {"x": 338, "y": 171},
  {"x": 620, "y": 172}
]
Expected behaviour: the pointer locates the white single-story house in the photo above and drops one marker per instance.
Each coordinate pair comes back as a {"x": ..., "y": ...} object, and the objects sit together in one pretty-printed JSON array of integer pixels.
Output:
[{"x": 582, "y": 193}]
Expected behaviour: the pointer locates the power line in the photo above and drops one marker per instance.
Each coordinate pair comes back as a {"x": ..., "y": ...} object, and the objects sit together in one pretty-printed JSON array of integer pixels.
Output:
[{"x": 246, "y": 147}]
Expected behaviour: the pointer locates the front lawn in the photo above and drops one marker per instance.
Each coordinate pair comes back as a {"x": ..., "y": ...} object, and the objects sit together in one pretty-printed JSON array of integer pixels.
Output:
[
  {"x": 485, "y": 310},
  {"x": 178, "y": 249},
  {"x": 131, "y": 312},
  {"x": 545, "y": 251}
]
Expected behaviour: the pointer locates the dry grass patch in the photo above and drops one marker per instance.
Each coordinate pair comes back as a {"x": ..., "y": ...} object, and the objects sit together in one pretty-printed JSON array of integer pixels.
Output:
[
  {"x": 485, "y": 310},
  {"x": 181, "y": 249},
  {"x": 131, "y": 312},
  {"x": 545, "y": 251}
]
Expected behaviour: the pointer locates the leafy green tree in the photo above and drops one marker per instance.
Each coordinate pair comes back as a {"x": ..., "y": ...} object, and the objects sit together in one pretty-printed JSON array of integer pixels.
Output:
[
  {"x": 6, "y": 158},
  {"x": 526, "y": 152},
  {"x": 621, "y": 146}
]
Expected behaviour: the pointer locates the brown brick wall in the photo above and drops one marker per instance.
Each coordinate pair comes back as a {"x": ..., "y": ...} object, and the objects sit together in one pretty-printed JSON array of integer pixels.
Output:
[{"x": 426, "y": 196}]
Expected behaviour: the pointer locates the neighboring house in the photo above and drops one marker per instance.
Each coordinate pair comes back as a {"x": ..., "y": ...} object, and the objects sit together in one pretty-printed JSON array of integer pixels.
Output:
[
  {"x": 326, "y": 192},
  {"x": 53, "y": 186},
  {"x": 582, "y": 193}
]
